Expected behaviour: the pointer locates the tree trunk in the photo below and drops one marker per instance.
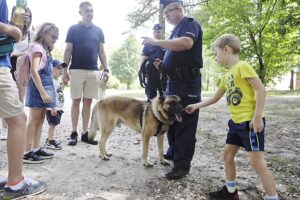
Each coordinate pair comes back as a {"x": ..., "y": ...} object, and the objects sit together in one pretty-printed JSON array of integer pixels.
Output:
[
  {"x": 292, "y": 80},
  {"x": 161, "y": 19},
  {"x": 207, "y": 83},
  {"x": 128, "y": 86}
]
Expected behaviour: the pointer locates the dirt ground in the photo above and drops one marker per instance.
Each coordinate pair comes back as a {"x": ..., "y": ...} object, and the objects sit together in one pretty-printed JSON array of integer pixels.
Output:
[{"x": 78, "y": 173}]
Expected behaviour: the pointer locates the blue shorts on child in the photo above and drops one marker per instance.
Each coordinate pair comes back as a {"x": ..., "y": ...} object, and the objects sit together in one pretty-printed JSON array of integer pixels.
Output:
[
  {"x": 54, "y": 120},
  {"x": 242, "y": 135}
]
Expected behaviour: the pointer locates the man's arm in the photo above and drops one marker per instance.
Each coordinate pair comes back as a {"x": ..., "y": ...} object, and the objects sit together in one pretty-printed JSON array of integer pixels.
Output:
[
  {"x": 11, "y": 31},
  {"x": 102, "y": 55},
  {"x": 67, "y": 58},
  {"x": 177, "y": 44}
]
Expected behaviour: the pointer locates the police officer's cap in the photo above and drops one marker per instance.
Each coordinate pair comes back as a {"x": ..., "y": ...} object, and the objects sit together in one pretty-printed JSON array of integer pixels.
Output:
[
  {"x": 166, "y": 2},
  {"x": 157, "y": 27}
]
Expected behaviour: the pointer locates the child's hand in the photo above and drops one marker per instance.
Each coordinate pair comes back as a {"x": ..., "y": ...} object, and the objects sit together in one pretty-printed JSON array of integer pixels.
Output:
[
  {"x": 46, "y": 98},
  {"x": 257, "y": 124},
  {"x": 53, "y": 112},
  {"x": 190, "y": 108}
]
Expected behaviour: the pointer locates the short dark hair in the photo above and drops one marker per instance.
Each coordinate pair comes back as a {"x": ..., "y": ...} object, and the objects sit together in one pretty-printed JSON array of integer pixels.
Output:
[{"x": 85, "y": 3}]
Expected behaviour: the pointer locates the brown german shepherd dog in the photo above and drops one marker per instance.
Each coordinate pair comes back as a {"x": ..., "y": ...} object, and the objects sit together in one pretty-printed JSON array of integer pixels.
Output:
[{"x": 148, "y": 118}]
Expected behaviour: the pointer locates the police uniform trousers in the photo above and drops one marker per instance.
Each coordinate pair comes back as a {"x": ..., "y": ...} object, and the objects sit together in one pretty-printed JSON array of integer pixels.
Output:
[{"x": 182, "y": 136}]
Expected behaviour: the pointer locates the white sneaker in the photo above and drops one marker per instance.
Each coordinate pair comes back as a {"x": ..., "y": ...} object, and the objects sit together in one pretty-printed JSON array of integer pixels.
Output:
[{"x": 3, "y": 134}]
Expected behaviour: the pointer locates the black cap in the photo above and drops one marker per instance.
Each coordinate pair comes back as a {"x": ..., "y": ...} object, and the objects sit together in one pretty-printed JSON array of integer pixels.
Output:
[
  {"x": 166, "y": 2},
  {"x": 157, "y": 27}
]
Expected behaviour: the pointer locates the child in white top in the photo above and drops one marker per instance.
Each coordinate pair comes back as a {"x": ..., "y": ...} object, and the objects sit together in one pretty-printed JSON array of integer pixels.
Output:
[{"x": 53, "y": 115}]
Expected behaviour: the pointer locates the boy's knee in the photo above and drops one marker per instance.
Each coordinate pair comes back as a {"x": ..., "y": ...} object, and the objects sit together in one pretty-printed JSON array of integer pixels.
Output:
[{"x": 259, "y": 165}]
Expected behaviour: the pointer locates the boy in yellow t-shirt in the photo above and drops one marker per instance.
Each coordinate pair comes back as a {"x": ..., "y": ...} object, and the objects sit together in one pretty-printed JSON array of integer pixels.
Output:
[{"x": 245, "y": 96}]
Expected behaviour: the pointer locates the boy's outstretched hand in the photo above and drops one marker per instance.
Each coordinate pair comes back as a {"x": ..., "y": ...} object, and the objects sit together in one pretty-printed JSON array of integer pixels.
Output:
[{"x": 190, "y": 108}]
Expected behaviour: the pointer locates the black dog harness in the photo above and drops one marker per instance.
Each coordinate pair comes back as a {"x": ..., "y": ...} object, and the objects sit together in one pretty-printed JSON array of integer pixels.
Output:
[{"x": 160, "y": 124}]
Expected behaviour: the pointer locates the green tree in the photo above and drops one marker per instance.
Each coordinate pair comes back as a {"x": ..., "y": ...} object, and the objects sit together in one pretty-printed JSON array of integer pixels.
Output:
[
  {"x": 125, "y": 61},
  {"x": 152, "y": 10},
  {"x": 257, "y": 23}
]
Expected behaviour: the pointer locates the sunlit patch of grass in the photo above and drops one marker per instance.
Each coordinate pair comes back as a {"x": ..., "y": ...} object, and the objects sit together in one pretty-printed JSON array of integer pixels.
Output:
[
  {"x": 284, "y": 110},
  {"x": 294, "y": 188},
  {"x": 283, "y": 93},
  {"x": 277, "y": 162}
]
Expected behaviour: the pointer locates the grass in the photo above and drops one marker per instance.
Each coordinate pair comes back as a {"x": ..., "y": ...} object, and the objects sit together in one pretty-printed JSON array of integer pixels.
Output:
[{"x": 283, "y": 93}]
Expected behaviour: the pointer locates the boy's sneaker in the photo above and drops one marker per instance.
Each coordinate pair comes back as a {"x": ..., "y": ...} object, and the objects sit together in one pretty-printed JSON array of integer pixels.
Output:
[
  {"x": 3, "y": 134},
  {"x": 3, "y": 182},
  {"x": 30, "y": 187},
  {"x": 32, "y": 158},
  {"x": 84, "y": 138},
  {"x": 223, "y": 194},
  {"x": 44, "y": 154},
  {"x": 73, "y": 138},
  {"x": 57, "y": 141},
  {"x": 53, "y": 144}
]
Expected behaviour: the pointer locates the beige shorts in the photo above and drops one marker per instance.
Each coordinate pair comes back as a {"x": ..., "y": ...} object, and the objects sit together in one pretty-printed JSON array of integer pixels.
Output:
[
  {"x": 84, "y": 83},
  {"x": 10, "y": 104}
]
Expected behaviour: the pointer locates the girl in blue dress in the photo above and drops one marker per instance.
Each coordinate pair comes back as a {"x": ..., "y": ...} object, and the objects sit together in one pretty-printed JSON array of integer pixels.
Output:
[{"x": 40, "y": 93}]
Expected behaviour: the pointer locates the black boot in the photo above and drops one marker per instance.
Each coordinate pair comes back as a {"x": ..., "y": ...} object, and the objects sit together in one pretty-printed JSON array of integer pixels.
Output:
[
  {"x": 73, "y": 138},
  {"x": 84, "y": 138},
  {"x": 176, "y": 173}
]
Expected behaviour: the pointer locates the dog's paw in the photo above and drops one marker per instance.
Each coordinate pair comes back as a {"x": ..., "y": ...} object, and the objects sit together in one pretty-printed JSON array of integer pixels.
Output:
[
  {"x": 148, "y": 165},
  {"x": 108, "y": 154},
  {"x": 164, "y": 162},
  {"x": 104, "y": 158}
]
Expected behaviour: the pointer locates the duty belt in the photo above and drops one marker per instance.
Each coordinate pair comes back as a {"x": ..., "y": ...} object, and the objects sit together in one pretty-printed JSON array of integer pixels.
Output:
[{"x": 184, "y": 74}]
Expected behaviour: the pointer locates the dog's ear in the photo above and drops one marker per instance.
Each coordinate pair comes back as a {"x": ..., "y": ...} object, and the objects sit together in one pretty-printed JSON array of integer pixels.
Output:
[{"x": 162, "y": 98}]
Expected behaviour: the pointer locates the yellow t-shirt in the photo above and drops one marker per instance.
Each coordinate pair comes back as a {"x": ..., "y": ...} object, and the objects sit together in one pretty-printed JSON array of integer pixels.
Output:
[{"x": 240, "y": 95}]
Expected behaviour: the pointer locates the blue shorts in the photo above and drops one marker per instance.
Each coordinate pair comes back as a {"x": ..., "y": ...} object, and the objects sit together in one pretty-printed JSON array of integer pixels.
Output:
[
  {"x": 242, "y": 135},
  {"x": 54, "y": 119}
]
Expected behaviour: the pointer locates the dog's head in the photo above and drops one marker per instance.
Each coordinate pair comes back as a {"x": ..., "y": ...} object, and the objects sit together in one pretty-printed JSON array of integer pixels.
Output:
[{"x": 170, "y": 107}]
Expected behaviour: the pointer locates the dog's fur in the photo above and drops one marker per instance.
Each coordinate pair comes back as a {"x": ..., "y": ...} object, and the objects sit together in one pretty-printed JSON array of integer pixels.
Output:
[{"x": 110, "y": 112}]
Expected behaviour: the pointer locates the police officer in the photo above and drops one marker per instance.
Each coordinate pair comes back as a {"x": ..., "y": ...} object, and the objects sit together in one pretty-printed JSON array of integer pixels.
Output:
[
  {"x": 152, "y": 75},
  {"x": 182, "y": 63}
]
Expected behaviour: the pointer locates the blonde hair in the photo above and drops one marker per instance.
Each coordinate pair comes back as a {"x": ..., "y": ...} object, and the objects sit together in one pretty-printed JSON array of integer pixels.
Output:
[
  {"x": 44, "y": 28},
  {"x": 228, "y": 40}
]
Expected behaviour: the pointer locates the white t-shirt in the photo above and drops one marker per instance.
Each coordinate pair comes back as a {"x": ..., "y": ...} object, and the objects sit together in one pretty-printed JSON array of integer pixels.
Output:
[
  {"x": 60, "y": 99},
  {"x": 22, "y": 46}
]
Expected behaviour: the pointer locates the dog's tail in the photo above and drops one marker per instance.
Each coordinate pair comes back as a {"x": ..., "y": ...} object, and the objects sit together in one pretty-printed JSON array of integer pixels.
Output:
[{"x": 94, "y": 123}]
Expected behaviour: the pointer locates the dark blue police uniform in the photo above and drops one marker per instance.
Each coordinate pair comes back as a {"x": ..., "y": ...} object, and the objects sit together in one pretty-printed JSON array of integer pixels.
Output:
[
  {"x": 183, "y": 70},
  {"x": 153, "y": 82}
]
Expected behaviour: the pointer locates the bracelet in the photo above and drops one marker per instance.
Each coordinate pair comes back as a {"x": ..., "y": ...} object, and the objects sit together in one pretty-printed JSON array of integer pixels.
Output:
[{"x": 106, "y": 70}]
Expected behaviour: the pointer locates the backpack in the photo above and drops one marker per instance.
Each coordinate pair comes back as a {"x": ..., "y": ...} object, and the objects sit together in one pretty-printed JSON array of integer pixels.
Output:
[
  {"x": 22, "y": 72},
  {"x": 6, "y": 45}
]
